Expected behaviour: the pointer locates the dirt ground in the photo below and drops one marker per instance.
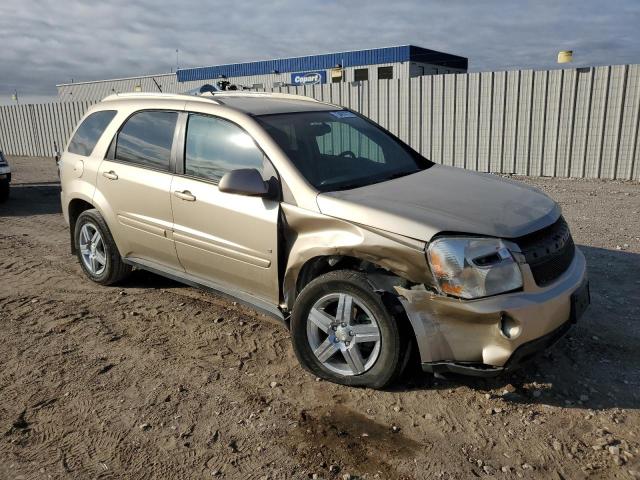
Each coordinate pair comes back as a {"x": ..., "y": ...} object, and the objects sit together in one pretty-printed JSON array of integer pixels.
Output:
[{"x": 156, "y": 380}]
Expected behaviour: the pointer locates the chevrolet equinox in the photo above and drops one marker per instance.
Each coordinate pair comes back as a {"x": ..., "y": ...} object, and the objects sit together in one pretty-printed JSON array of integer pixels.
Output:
[{"x": 314, "y": 214}]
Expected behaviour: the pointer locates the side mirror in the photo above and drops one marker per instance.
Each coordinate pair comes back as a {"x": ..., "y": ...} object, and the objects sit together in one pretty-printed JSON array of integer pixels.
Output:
[{"x": 244, "y": 181}]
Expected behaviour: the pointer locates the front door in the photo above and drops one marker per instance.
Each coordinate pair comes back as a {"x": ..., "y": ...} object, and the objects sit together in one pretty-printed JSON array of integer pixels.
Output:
[
  {"x": 225, "y": 239},
  {"x": 135, "y": 179}
]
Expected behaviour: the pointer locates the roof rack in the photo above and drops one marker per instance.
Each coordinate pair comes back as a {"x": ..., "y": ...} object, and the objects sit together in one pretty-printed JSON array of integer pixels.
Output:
[
  {"x": 239, "y": 93},
  {"x": 209, "y": 96}
]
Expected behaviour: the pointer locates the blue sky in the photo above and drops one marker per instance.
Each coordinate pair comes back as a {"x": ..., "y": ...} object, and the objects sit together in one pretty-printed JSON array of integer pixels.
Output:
[{"x": 45, "y": 42}]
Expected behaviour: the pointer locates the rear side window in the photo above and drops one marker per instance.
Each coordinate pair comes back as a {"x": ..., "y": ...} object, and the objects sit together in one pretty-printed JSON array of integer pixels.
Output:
[
  {"x": 215, "y": 147},
  {"x": 146, "y": 139},
  {"x": 90, "y": 131}
]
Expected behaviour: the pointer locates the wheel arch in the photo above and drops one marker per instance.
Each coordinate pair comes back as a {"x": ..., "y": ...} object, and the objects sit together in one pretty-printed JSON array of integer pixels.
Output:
[
  {"x": 381, "y": 280},
  {"x": 75, "y": 208}
]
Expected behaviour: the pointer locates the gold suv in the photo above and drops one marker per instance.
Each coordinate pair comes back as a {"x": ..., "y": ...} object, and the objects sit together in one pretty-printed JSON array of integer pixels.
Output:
[{"x": 313, "y": 213}]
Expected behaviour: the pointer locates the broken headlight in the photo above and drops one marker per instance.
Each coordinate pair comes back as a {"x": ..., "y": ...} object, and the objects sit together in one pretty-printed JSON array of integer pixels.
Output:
[{"x": 468, "y": 267}]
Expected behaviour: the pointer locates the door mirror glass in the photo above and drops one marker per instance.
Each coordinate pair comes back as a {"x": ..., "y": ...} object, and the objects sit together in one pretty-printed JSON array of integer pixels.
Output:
[{"x": 244, "y": 181}]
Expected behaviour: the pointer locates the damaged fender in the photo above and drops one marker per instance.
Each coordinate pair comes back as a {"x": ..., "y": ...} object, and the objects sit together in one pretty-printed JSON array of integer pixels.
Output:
[{"x": 310, "y": 234}]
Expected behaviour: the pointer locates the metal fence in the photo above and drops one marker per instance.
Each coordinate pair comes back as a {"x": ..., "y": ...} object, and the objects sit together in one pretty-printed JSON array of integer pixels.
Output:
[
  {"x": 566, "y": 123},
  {"x": 32, "y": 129}
]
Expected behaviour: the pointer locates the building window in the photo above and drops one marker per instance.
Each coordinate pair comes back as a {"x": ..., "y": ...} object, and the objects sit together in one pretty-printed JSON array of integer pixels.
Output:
[
  {"x": 385, "y": 73},
  {"x": 361, "y": 74}
]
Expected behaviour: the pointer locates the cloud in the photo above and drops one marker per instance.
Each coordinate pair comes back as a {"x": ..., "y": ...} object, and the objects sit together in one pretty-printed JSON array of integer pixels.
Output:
[{"x": 46, "y": 42}]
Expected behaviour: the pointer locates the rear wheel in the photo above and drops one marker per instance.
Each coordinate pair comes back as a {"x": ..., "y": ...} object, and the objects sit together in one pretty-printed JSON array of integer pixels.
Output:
[
  {"x": 96, "y": 250},
  {"x": 343, "y": 332}
]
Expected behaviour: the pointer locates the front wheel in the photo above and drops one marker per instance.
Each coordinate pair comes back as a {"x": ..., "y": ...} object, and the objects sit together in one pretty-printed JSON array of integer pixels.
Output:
[{"x": 342, "y": 332}]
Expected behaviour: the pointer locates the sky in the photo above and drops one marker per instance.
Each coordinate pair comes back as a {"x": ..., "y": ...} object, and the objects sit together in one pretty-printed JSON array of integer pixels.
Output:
[{"x": 46, "y": 42}]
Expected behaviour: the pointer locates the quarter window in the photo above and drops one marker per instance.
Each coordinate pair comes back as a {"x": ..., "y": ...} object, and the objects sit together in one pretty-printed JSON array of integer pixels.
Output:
[
  {"x": 90, "y": 131},
  {"x": 215, "y": 147},
  {"x": 146, "y": 139}
]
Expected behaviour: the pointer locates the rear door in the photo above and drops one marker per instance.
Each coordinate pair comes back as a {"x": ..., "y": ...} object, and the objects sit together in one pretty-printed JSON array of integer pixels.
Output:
[
  {"x": 226, "y": 239},
  {"x": 135, "y": 180}
]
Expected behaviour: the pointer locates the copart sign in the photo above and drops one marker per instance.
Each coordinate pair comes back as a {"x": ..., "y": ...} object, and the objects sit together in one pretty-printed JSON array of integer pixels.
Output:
[{"x": 309, "y": 78}]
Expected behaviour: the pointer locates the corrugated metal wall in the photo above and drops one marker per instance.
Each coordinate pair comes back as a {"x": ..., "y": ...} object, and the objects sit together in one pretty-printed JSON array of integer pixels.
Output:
[
  {"x": 31, "y": 130},
  {"x": 566, "y": 123}
]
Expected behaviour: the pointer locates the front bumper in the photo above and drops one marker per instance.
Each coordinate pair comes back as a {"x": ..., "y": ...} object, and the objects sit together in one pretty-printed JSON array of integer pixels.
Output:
[{"x": 465, "y": 336}]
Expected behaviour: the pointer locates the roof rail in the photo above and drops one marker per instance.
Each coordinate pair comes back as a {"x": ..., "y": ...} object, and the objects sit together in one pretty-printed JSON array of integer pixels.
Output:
[
  {"x": 240, "y": 93},
  {"x": 209, "y": 96},
  {"x": 174, "y": 96}
]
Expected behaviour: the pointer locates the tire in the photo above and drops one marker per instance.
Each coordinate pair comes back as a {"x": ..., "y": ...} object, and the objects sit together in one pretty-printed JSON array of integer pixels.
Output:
[
  {"x": 4, "y": 190},
  {"x": 110, "y": 267},
  {"x": 326, "y": 293}
]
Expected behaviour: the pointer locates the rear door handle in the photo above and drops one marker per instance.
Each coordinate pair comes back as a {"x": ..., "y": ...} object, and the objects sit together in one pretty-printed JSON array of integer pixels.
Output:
[
  {"x": 185, "y": 195},
  {"x": 111, "y": 175}
]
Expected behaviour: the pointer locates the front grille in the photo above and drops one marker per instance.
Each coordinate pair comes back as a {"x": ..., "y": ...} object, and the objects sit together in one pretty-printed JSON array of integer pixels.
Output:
[{"x": 549, "y": 251}]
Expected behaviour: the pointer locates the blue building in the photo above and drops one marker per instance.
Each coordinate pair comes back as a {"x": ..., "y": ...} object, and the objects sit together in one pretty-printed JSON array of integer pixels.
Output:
[{"x": 388, "y": 63}]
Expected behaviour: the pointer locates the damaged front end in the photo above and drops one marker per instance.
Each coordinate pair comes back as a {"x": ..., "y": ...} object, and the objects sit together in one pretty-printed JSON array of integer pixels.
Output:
[
  {"x": 491, "y": 321},
  {"x": 487, "y": 336}
]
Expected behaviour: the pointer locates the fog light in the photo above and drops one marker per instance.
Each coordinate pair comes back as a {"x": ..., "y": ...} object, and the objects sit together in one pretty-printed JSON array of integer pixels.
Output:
[{"x": 509, "y": 327}]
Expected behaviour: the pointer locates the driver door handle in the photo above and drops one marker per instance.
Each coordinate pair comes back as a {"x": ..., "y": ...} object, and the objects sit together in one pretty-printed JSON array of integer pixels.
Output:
[
  {"x": 185, "y": 195},
  {"x": 111, "y": 175}
]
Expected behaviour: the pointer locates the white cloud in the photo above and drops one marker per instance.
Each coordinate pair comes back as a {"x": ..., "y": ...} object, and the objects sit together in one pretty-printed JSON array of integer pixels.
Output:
[{"x": 45, "y": 42}]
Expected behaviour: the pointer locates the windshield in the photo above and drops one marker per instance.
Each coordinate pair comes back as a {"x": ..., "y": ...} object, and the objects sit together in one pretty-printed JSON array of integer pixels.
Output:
[{"x": 341, "y": 150}]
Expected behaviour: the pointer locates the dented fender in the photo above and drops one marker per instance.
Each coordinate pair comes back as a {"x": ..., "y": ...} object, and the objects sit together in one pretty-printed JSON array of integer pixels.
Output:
[{"x": 310, "y": 234}]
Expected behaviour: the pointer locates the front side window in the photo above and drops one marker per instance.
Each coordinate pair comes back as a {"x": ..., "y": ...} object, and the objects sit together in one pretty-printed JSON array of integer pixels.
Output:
[
  {"x": 215, "y": 146},
  {"x": 146, "y": 139},
  {"x": 340, "y": 150},
  {"x": 90, "y": 131}
]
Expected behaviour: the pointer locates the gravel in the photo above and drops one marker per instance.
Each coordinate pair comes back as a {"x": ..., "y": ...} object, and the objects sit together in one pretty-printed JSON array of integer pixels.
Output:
[{"x": 206, "y": 384}]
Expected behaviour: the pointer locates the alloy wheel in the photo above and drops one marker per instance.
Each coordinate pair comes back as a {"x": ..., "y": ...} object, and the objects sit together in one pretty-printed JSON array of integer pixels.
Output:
[
  {"x": 92, "y": 249},
  {"x": 343, "y": 334}
]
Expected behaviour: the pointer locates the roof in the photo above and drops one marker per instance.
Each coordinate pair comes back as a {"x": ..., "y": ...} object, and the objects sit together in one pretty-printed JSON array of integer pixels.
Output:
[
  {"x": 252, "y": 103},
  {"x": 403, "y": 53}
]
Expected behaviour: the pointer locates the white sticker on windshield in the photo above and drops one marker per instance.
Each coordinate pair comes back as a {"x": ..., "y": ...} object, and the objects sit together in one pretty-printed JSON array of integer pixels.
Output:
[{"x": 343, "y": 114}]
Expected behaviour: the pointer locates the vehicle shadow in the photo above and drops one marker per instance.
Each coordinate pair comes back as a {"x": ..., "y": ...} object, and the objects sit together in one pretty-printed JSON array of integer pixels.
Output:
[
  {"x": 145, "y": 279},
  {"x": 27, "y": 199},
  {"x": 596, "y": 365}
]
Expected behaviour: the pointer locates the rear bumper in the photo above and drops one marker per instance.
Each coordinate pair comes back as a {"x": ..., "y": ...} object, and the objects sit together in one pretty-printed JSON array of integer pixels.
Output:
[{"x": 466, "y": 336}]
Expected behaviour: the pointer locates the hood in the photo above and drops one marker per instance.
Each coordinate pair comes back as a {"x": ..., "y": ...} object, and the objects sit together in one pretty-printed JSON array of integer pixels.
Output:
[{"x": 444, "y": 199}]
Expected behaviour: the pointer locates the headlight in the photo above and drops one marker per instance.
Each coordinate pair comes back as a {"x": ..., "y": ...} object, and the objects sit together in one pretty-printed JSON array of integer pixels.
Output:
[{"x": 469, "y": 267}]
